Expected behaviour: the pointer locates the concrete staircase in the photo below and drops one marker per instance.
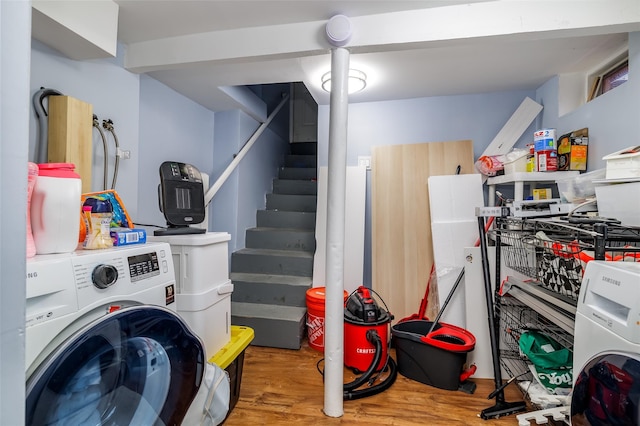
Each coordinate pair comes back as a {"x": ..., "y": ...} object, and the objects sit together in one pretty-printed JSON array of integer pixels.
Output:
[{"x": 272, "y": 274}]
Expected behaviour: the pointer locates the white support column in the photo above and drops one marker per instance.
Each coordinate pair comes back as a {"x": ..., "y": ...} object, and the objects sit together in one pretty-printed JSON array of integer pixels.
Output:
[{"x": 336, "y": 184}]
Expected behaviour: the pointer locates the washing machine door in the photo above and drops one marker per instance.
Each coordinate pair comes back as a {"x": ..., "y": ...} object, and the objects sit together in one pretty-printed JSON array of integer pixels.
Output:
[
  {"x": 136, "y": 366},
  {"x": 607, "y": 391}
]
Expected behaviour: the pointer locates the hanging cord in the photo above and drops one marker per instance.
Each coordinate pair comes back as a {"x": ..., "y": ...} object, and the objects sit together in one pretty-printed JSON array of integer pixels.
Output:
[
  {"x": 41, "y": 115},
  {"x": 96, "y": 124},
  {"x": 351, "y": 391},
  {"x": 108, "y": 125}
]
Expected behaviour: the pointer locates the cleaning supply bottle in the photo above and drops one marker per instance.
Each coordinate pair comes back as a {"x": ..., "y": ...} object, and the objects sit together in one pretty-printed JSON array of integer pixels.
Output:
[
  {"x": 32, "y": 176},
  {"x": 55, "y": 208},
  {"x": 97, "y": 214}
]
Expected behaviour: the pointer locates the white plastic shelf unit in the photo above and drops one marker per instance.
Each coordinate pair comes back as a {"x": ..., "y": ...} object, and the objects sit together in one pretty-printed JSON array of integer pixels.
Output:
[{"x": 519, "y": 179}]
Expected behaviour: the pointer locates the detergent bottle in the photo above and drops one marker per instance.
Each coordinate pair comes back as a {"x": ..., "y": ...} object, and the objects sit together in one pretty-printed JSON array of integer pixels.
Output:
[
  {"x": 31, "y": 183},
  {"x": 55, "y": 208}
]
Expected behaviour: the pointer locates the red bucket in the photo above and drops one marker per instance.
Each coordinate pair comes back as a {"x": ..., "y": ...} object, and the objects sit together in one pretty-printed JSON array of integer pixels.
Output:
[{"x": 315, "y": 316}]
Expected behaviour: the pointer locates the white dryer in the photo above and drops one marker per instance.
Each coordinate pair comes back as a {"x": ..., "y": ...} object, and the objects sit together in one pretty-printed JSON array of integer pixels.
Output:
[
  {"x": 103, "y": 343},
  {"x": 606, "y": 357}
]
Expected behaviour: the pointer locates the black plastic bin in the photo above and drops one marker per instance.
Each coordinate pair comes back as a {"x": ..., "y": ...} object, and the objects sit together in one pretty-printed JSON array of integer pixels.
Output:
[{"x": 438, "y": 359}]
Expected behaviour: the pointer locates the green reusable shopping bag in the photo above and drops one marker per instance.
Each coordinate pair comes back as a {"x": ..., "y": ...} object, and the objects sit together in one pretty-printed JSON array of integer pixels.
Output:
[{"x": 553, "y": 363}]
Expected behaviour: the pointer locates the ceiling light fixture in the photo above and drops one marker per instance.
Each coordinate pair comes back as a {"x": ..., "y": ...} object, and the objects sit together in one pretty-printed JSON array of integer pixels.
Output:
[{"x": 357, "y": 81}]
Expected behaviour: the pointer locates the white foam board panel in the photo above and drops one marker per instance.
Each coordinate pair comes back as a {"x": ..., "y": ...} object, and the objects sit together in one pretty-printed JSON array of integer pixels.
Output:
[
  {"x": 476, "y": 310},
  {"x": 514, "y": 127},
  {"x": 454, "y": 197}
]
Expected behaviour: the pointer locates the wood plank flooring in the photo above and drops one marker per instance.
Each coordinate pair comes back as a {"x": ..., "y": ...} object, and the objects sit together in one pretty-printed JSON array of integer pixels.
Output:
[{"x": 282, "y": 387}]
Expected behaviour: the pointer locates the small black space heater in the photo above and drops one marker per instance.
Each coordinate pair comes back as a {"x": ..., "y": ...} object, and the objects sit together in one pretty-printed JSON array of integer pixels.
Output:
[{"x": 181, "y": 198}]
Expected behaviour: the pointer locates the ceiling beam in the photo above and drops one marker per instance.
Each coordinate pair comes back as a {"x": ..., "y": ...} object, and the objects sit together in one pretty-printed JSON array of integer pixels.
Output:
[{"x": 458, "y": 24}]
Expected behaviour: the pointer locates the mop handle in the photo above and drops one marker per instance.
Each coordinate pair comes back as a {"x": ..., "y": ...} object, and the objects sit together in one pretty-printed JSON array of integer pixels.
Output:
[{"x": 446, "y": 302}]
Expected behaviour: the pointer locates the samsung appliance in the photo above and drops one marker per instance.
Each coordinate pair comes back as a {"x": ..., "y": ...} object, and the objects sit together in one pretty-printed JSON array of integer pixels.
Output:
[
  {"x": 104, "y": 345},
  {"x": 606, "y": 356}
]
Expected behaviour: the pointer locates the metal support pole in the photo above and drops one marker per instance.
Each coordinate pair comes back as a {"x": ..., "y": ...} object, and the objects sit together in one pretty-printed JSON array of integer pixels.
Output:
[{"x": 336, "y": 184}]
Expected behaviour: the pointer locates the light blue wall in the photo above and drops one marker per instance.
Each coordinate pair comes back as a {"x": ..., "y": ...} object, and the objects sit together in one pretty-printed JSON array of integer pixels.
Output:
[
  {"x": 114, "y": 94},
  {"x": 172, "y": 128},
  {"x": 234, "y": 206},
  {"x": 613, "y": 118},
  {"x": 435, "y": 119},
  {"x": 224, "y": 208}
]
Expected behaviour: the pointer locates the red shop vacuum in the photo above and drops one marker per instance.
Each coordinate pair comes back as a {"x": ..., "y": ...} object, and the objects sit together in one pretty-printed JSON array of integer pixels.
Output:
[{"x": 367, "y": 342}]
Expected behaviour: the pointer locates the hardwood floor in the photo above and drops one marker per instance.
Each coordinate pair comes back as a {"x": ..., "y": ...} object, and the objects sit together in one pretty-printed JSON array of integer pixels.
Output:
[{"x": 281, "y": 387}]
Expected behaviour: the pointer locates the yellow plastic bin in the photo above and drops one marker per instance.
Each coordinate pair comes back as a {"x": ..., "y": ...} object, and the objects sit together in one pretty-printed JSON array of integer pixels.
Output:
[{"x": 231, "y": 359}]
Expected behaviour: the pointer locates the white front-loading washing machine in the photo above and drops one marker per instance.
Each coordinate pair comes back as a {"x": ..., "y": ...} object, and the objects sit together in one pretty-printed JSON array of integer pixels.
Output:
[
  {"x": 104, "y": 345},
  {"x": 606, "y": 356}
]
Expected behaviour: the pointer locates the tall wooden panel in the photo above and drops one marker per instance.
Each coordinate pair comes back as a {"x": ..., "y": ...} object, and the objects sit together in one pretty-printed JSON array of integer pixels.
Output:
[
  {"x": 70, "y": 135},
  {"x": 402, "y": 252}
]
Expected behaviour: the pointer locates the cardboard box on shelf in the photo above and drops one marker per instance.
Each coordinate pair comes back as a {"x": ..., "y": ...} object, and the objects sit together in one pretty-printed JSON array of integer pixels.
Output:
[
  {"x": 126, "y": 236},
  {"x": 572, "y": 150},
  {"x": 542, "y": 194}
]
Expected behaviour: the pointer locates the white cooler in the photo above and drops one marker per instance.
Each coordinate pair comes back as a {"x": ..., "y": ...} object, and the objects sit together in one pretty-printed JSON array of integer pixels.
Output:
[{"x": 203, "y": 295}]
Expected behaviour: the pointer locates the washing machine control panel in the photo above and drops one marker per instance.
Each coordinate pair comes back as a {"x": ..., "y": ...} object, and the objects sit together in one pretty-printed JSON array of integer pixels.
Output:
[
  {"x": 124, "y": 274},
  {"x": 143, "y": 266}
]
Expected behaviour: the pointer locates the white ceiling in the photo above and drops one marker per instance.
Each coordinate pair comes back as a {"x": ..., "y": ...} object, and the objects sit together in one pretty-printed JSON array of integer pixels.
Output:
[{"x": 408, "y": 49}]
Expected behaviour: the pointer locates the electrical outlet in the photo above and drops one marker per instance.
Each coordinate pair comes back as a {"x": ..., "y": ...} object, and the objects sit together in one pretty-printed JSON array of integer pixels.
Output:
[{"x": 364, "y": 161}]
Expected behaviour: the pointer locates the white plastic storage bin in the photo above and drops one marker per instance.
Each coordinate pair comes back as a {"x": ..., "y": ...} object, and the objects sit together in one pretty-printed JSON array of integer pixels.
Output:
[
  {"x": 200, "y": 260},
  {"x": 620, "y": 201},
  {"x": 209, "y": 315},
  {"x": 576, "y": 189},
  {"x": 624, "y": 163},
  {"x": 516, "y": 166},
  {"x": 203, "y": 288}
]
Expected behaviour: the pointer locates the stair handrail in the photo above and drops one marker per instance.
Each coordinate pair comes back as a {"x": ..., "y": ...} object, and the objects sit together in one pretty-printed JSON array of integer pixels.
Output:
[{"x": 247, "y": 146}]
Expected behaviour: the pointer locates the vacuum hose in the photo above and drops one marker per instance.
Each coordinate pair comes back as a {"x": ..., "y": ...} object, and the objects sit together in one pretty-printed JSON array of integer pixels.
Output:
[
  {"x": 349, "y": 388},
  {"x": 41, "y": 114}
]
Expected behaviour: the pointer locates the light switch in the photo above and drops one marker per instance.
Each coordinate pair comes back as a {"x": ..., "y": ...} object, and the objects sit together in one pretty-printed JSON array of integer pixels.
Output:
[{"x": 364, "y": 161}]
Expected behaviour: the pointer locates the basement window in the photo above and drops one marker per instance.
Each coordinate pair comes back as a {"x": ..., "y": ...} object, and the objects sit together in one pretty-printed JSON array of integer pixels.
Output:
[{"x": 609, "y": 77}]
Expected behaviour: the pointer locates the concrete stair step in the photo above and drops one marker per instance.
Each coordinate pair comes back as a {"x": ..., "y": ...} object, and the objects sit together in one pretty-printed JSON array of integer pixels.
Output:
[
  {"x": 293, "y": 160},
  {"x": 286, "y": 219},
  {"x": 281, "y": 239},
  {"x": 300, "y": 173},
  {"x": 304, "y": 148},
  {"x": 274, "y": 326},
  {"x": 269, "y": 289},
  {"x": 295, "y": 187},
  {"x": 276, "y": 262},
  {"x": 292, "y": 203}
]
